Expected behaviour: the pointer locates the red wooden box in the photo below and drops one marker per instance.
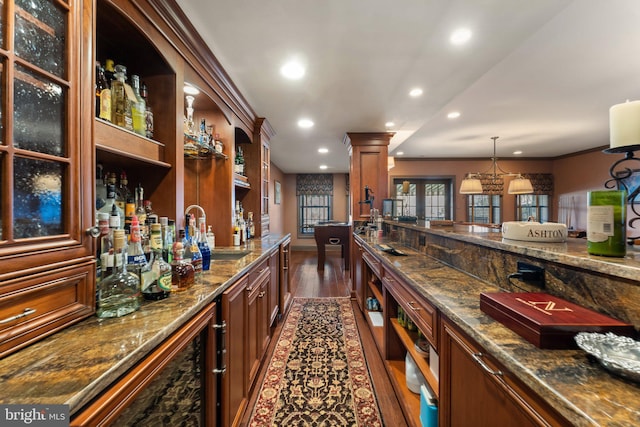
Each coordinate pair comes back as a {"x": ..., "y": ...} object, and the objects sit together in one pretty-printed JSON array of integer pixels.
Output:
[{"x": 547, "y": 321}]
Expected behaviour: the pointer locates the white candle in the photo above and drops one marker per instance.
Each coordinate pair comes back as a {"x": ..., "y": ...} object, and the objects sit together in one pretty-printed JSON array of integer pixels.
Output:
[
  {"x": 624, "y": 124},
  {"x": 405, "y": 187}
]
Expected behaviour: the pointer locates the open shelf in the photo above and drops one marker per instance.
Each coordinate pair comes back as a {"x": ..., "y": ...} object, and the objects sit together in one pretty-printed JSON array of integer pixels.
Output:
[
  {"x": 408, "y": 340},
  {"x": 409, "y": 401},
  {"x": 241, "y": 181},
  {"x": 116, "y": 140}
]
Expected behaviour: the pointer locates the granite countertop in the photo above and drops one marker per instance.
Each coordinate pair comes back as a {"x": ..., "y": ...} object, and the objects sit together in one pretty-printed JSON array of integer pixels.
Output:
[
  {"x": 78, "y": 363},
  {"x": 573, "y": 252},
  {"x": 580, "y": 390}
]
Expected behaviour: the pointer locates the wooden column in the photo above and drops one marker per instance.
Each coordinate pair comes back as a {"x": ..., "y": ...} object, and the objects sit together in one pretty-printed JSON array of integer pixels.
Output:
[{"x": 368, "y": 153}]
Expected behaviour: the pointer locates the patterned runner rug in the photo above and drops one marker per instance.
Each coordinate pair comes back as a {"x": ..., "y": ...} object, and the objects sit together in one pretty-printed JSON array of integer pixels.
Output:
[{"x": 318, "y": 375}]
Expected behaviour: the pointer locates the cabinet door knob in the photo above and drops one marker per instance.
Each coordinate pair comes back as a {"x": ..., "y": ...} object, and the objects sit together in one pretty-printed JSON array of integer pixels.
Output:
[
  {"x": 93, "y": 231},
  {"x": 478, "y": 358}
]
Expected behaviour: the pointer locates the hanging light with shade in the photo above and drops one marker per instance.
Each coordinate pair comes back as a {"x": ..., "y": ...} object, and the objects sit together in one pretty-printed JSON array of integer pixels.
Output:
[{"x": 471, "y": 184}]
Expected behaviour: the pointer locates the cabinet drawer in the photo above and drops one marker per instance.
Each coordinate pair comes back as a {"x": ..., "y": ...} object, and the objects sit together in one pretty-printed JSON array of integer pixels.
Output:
[
  {"x": 423, "y": 314},
  {"x": 256, "y": 273},
  {"x": 33, "y": 307},
  {"x": 372, "y": 262}
]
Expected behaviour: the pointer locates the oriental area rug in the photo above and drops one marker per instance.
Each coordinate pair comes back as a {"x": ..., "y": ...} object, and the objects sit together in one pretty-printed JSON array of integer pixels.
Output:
[{"x": 318, "y": 375}]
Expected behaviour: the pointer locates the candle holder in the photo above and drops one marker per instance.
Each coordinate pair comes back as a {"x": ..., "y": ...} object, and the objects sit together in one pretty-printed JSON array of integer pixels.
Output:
[{"x": 620, "y": 172}]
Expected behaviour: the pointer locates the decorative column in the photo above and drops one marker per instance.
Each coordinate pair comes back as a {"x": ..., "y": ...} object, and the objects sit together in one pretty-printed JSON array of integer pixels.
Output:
[{"x": 368, "y": 152}]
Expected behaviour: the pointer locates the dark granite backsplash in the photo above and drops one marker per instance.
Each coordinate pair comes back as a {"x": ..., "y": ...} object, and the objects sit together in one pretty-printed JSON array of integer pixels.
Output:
[{"x": 603, "y": 284}]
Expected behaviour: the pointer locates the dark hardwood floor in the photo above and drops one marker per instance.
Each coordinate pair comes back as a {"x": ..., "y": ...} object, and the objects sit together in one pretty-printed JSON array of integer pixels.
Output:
[{"x": 333, "y": 281}]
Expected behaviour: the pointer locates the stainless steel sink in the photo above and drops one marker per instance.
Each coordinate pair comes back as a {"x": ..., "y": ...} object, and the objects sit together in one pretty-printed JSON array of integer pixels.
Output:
[{"x": 228, "y": 255}]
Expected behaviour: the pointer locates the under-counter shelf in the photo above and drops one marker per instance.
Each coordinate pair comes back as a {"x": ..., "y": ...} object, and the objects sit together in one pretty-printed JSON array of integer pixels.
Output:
[
  {"x": 113, "y": 139},
  {"x": 408, "y": 399},
  {"x": 408, "y": 339}
]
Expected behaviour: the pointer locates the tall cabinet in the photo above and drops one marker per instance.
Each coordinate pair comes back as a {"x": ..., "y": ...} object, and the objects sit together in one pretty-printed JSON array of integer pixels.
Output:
[
  {"x": 47, "y": 266},
  {"x": 51, "y": 144}
]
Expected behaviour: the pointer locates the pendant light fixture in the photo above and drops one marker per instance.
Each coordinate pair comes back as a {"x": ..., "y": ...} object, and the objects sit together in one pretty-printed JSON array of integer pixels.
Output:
[{"x": 471, "y": 184}]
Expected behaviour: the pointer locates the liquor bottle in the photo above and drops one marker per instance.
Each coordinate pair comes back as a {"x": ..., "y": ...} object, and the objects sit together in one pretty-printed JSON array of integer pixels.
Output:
[
  {"x": 203, "y": 140},
  {"x": 103, "y": 94},
  {"x": 111, "y": 205},
  {"x": 182, "y": 272},
  {"x": 103, "y": 226},
  {"x": 218, "y": 143},
  {"x": 191, "y": 250},
  {"x": 106, "y": 245},
  {"x": 190, "y": 148},
  {"x": 239, "y": 162},
  {"x": 168, "y": 240},
  {"x": 123, "y": 194},
  {"x": 203, "y": 244},
  {"x": 136, "y": 259},
  {"x": 156, "y": 276},
  {"x": 118, "y": 293},
  {"x": 101, "y": 187},
  {"x": 251, "y": 227},
  {"x": 211, "y": 238},
  {"x": 149, "y": 211},
  {"x": 129, "y": 213},
  {"x": 138, "y": 108},
  {"x": 144, "y": 92},
  {"x": 109, "y": 71},
  {"x": 236, "y": 162},
  {"x": 141, "y": 212},
  {"x": 121, "y": 114}
]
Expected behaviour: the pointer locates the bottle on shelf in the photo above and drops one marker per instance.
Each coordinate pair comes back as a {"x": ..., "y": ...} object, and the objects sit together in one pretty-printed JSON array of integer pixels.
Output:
[
  {"x": 211, "y": 238},
  {"x": 218, "y": 143},
  {"x": 148, "y": 116},
  {"x": 138, "y": 108},
  {"x": 103, "y": 94},
  {"x": 151, "y": 215},
  {"x": 141, "y": 212},
  {"x": 107, "y": 249},
  {"x": 203, "y": 244},
  {"x": 101, "y": 187},
  {"x": 136, "y": 260},
  {"x": 111, "y": 205},
  {"x": 203, "y": 140},
  {"x": 190, "y": 245},
  {"x": 103, "y": 226},
  {"x": 182, "y": 272},
  {"x": 251, "y": 227},
  {"x": 121, "y": 99},
  {"x": 168, "y": 239},
  {"x": 123, "y": 194},
  {"x": 156, "y": 276},
  {"x": 239, "y": 162},
  {"x": 109, "y": 70},
  {"x": 190, "y": 139},
  {"x": 119, "y": 293},
  {"x": 129, "y": 213}
]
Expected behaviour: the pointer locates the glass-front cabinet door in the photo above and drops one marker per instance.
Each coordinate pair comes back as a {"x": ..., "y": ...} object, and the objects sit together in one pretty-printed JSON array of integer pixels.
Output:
[{"x": 45, "y": 179}]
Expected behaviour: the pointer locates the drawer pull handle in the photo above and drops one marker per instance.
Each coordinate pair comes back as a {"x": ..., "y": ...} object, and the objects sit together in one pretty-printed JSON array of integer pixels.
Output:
[
  {"x": 413, "y": 307},
  {"x": 334, "y": 240},
  {"x": 25, "y": 313},
  {"x": 478, "y": 358},
  {"x": 261, "y": 294}
]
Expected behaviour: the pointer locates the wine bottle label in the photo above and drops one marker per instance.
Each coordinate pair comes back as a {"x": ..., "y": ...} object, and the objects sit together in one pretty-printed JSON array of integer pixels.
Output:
[
  {"x": 164, "y": 282},
  {"x": 600, "y": 223}
]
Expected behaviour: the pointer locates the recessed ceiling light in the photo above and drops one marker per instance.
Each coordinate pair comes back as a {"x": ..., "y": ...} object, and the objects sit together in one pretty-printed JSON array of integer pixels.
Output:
[
  {"x": 323, "y": 166},
  {"x": 292, "y": 70},
  {"x": 415, "y": 92},
  {"x": 517, "y": 152},
  {"x": 190, "y": 90},
  {"x": 323, "y": 150},
  {"x": 460, "y": 36},
  {"x": 400, "y": 153},
  {"x": 389, "y": 124},
  {"x": 453, "y": 115},
  {"x": 305, "y": 123}
]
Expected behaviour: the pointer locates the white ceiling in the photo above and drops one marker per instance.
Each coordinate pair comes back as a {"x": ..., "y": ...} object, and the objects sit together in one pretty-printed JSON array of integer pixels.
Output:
[{"x": 540, "y": 74}]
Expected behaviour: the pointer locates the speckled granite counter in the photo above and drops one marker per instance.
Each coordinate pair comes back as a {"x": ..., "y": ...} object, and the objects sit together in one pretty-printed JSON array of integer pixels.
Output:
[
  {"x": 580, "y": 390},
  {"x": 76, "y": 364}
]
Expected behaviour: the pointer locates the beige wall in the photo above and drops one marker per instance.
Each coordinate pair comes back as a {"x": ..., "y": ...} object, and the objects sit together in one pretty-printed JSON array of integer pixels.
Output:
[{"x": 573, "y": 175}]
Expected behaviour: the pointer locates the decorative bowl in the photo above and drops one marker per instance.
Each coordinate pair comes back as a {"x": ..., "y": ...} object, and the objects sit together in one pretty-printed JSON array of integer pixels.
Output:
[{"x": 618, "y": 354}]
